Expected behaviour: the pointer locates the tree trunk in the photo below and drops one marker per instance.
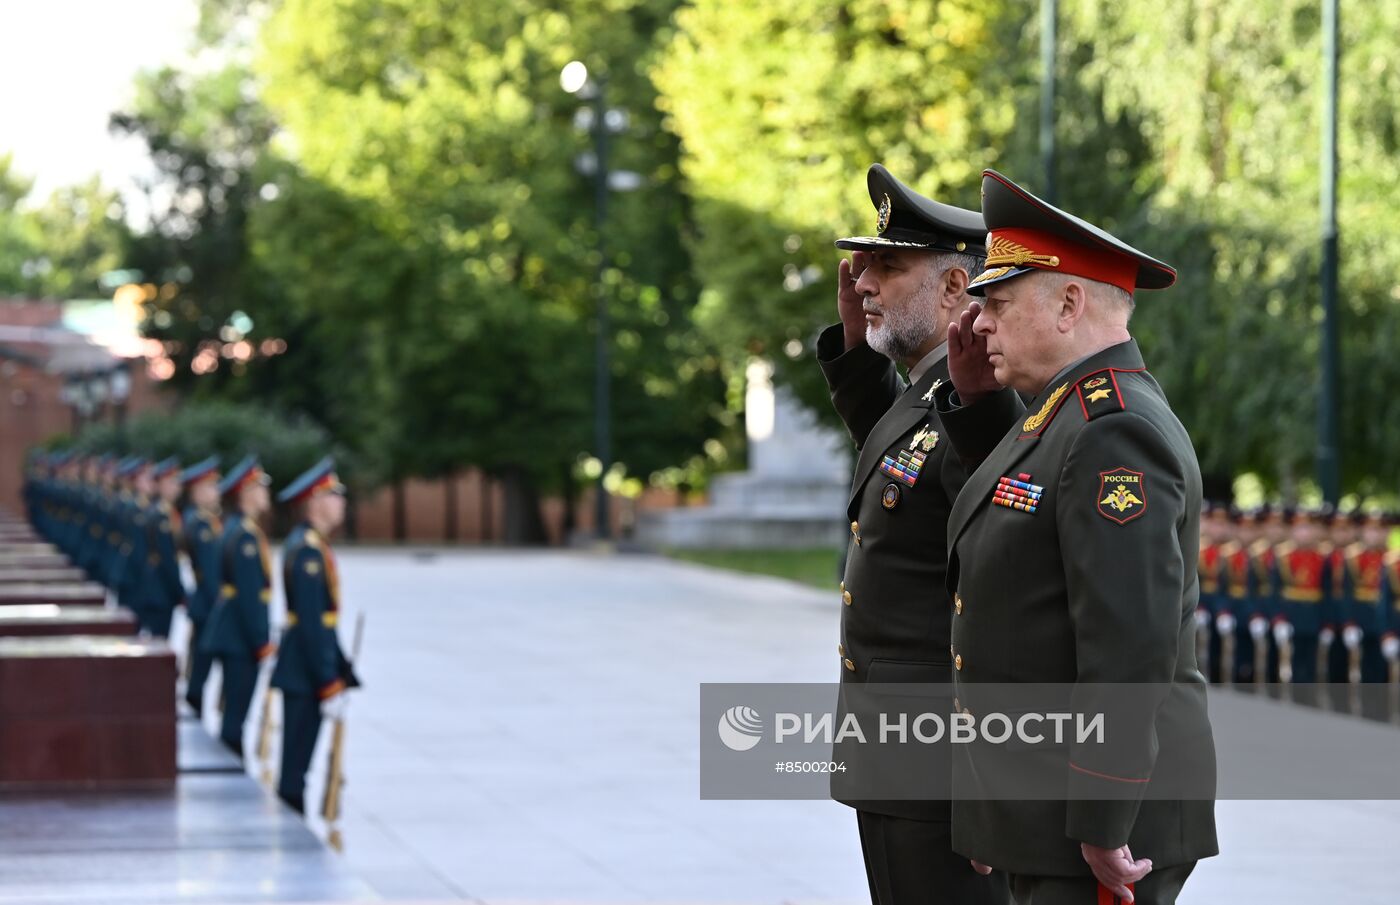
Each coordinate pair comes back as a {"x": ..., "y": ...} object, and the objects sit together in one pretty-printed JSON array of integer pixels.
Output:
[{"x": 524, "y": 524}]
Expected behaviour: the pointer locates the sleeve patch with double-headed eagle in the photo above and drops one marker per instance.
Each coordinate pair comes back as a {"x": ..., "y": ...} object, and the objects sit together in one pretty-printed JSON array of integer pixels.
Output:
[{"x": 1122, "y": 495}]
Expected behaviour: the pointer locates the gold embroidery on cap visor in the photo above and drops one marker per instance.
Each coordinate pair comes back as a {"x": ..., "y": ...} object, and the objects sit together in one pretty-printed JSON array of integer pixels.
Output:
[{"x": 1004, "y": 256}]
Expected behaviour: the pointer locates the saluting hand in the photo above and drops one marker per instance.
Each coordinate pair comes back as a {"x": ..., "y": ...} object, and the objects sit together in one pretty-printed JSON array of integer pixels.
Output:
[
  {"x": 849, "y": 303},
  {"x": 1115, "y": 868},
  {"x": 972, "y": 374}
]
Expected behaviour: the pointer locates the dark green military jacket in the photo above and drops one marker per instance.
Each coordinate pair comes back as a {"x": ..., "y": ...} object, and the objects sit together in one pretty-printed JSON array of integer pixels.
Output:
[
  {"x": 895, "y": 620},
  {"x": 1087, "y": 577}
]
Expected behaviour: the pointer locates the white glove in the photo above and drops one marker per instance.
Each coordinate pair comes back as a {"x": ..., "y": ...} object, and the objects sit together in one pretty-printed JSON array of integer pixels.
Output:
[
  {"x": 1351, "y": 637},
  {"x": 1283, "y": 631},
  {"x": 1202, "y": 618},
  {"x": 1326, "y": 636},
  {"x": 1225, "y": 623},
  {"x": 335, "y": 706},
  {"x": 1390, "y": 647},
  {"x": 1258, "y": 627}
]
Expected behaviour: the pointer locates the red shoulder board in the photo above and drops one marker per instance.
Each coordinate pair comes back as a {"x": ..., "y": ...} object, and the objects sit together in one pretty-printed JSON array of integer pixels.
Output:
[{"x": 1099, "y": 394}]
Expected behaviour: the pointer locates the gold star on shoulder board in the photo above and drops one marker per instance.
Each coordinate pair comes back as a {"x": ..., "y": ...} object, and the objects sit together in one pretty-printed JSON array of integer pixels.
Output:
[
  {"x": 938, "y": 382},
  {"x": 1098, "y": 394},
  {"x": 313, "y": 567}
]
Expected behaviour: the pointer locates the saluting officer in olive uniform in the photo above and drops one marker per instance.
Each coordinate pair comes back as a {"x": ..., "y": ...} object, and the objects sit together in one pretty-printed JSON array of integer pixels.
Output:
[
  {"x": 238, "y": 626},
  {"x": 164, "y": 589},
  {"x": 896, "y": 296},
  {"x": 203, "y": 529},
  {"x": 1072, "y": 549},
  {"x": 312, "y": 670}
]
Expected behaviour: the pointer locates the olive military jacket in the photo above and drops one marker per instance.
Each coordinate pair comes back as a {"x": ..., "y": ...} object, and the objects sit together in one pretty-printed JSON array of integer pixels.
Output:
[
  {"x": 1072, "y": 555},
  {"x": 895, "y": 621}
]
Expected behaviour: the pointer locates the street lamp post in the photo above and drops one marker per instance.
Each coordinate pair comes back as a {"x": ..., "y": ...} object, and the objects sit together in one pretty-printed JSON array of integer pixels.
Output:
[
  {"x": 601, "y": 121},
  {"x": 1329, "y": 470}
]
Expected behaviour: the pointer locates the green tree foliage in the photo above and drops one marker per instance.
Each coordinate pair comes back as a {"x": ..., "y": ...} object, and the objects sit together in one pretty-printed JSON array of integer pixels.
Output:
[
  {"x": 61, "y": 248},
  {"x": 443, "y": 128},
  {"x": 1189, "y": 127},
  {"x": 783, "y": 105},
  {"x": 286, "y": 445}
]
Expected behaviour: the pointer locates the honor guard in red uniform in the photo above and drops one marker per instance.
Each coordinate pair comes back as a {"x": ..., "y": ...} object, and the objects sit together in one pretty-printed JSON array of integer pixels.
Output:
[{"x": 1302, "y": 566}]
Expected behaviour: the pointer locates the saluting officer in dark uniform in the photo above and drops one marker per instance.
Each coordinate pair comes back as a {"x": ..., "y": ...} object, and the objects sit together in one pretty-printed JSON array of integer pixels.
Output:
[
  {"x": 1072, "y": 550},
  {"x": 238, "y": 626},
  {"x": 312, "y": 670},
  {"x": 203, "y": 529},
  {"x": 895, "y": 297}
]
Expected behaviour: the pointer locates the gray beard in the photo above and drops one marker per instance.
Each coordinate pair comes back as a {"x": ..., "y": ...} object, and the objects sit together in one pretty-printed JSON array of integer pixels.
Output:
[{"x": 901, "y": 335}]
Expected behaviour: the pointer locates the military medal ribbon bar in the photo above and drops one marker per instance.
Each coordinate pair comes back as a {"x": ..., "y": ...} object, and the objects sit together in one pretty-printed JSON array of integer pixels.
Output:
[
  {"x": 906, "y": 468},
  {"x": 1018, "y": 493}
]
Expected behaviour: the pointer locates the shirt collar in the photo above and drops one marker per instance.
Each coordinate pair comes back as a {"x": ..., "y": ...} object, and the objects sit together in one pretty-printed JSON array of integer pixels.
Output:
[{"x": 917, "y": 372}]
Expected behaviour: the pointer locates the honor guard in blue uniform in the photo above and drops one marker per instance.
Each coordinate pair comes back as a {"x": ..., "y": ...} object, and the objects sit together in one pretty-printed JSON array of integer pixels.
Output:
[
  {"x": 164, "y": 589},
  {"x": 128, "y": 566},
  {"x": 237, "y": 629},
  {"x": 312, "y": 671},
  {"x": 203, "y": 527}
]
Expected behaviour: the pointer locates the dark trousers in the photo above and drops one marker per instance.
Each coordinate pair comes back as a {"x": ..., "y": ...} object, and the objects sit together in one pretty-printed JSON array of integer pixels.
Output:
[
  {"x": 912, "y": 862},
  {"x": 200, "y": 662},
  {"x": 301, "y": 723},
  {"x": 240, "y": 679},
  {"x": 1160, "y": 887}
]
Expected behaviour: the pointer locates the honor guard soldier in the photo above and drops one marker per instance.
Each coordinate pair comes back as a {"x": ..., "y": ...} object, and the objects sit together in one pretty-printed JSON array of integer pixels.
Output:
[
  {"x": 237, "y": 628},
  {"x": 1264, "y": 604},
  {"x": 312, "y": 671},
  {"x": 132, "y": 516},
  {"x": 1071, "y": 549},
  {"x": 895, "y": 297},
  {"x": 165, "y": 589},
  {"x": 1362, "y": 600},
  {"x": 203, "y": 529},
  {"x": 1302, "y": 578},
  {"x": 1215, "y": 531},
  {"x": 1390, "y": 602},
  {"x": 1236, "y": 646}
]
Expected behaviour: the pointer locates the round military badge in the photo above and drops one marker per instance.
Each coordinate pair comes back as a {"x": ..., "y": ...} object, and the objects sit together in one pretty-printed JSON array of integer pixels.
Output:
[{"x": 890, "y": 498}]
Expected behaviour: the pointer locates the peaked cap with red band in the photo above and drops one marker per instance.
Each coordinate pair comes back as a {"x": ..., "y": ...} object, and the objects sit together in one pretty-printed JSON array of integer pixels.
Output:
[
  {"x": 319, "y": 478},
  {"x": 1028, "y": 234}
]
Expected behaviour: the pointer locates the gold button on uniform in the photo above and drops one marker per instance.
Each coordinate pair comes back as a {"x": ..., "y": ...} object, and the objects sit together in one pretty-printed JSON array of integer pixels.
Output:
[
  {"x": 957, "y": 604},
  {"x": 841, "y": 650},
  {"x": 855, "y": 527},
  {"x": 957, "y": 662},
  {"x": 846, "y": 597},
  {"x": 850, "y": 665}
]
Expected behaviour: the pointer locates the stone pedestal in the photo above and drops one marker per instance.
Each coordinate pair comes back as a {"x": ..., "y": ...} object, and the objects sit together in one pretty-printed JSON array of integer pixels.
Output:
[
  {"x": 793, "y": 495},
  {"x": 73, "y": 593},
  {"x": 86, "y": 712},
  {"x": 25, "y": 621}
]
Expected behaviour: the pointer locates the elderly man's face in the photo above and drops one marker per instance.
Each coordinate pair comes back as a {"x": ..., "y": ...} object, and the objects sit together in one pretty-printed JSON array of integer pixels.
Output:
[
  {"x": 1018, "y": 319},
  {"x": 901, "y": 308}
]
